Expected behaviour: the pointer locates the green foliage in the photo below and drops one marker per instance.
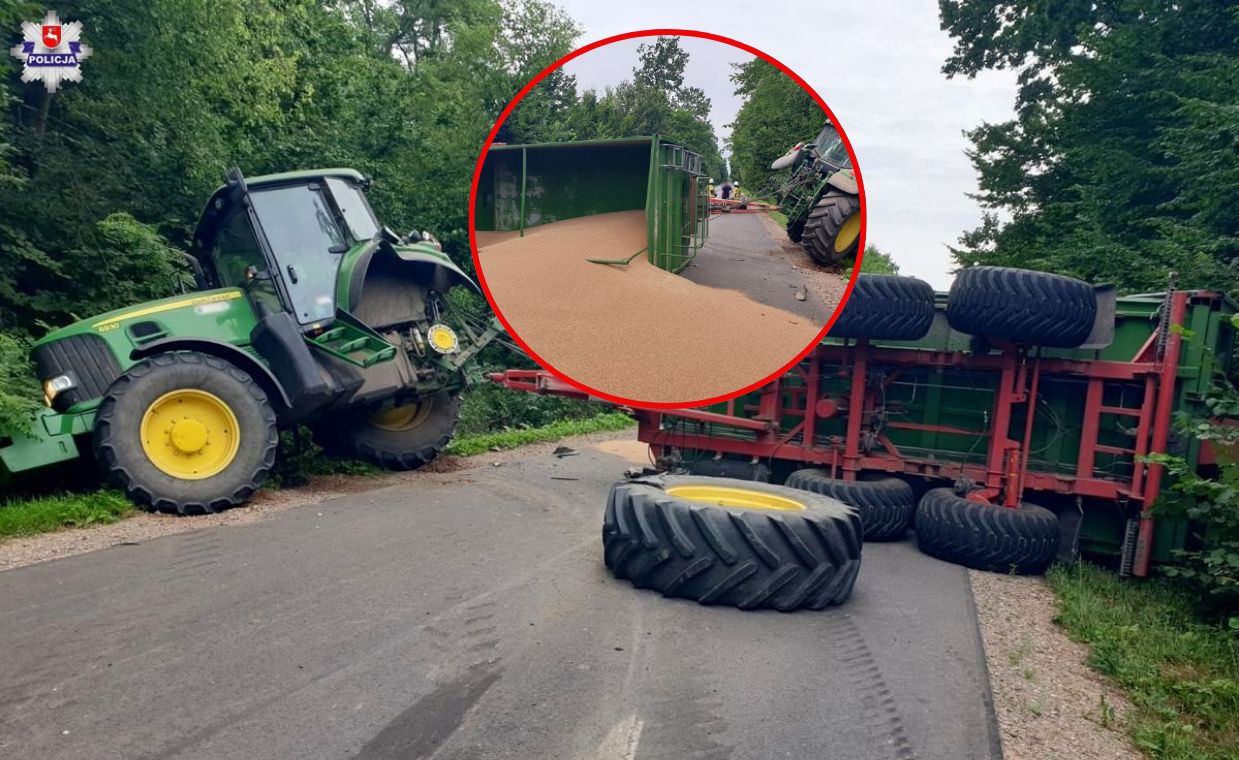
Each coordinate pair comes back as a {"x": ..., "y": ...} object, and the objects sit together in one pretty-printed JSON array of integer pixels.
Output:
[
  {"x": 300, "y": 459},
  {"x": 776, "y": 114},
  {"x": 654, "y": 101},
  {"x": 1122, "y": 162},
  {"x": 18, "y": 389},
  {"x": 1181, "y": 673},
  {"x": 24, "y": 517},
  {"x": 472, "y": 445},
  {"x": 877, "y": 262}
]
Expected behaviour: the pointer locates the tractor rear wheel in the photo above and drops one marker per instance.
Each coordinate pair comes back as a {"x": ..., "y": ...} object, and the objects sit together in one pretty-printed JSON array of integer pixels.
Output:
[
  {"x": 1021, "y": 305},
  {"x": 885, "y": 504},
  {"x": 734, "y": 542},
  {"x": 832, "y": 231},
  {"x": 186, "y": 433},
  {"x": 886, "y": 307},
  {"x": 1023, "y": 540},
  {"x": 396, "y": 437}
]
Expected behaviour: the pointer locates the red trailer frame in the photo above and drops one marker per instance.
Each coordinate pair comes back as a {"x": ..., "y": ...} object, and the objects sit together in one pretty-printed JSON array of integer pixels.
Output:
[{"x": 1005, "y": 473}]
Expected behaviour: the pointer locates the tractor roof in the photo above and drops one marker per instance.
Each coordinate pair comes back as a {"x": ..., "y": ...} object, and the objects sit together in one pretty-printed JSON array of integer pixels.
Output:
[{"x": 212, "y": 212}]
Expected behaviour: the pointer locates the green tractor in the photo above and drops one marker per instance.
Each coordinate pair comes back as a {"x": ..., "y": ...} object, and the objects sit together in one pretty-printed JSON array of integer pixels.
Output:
[
  {"x": 307, "y": 311},
  {"x": 821, "y": 199}
]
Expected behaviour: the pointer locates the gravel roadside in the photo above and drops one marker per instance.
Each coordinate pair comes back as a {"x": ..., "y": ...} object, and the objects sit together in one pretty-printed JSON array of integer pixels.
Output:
[
  {"x": 1049, "y": 703},
  {"x": 144, "y": 526}
]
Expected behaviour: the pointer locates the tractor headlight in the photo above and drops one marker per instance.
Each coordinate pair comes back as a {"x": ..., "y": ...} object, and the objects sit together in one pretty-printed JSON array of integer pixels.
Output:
[
  {"x": 54, "y": 385},
  {"x": 443, "y": 339}
]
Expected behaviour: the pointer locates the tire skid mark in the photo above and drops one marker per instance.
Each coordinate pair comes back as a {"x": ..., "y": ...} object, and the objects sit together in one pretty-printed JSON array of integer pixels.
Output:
[
  {"x": 684, "y": 720},
  {"x": 879, "y": 715}
]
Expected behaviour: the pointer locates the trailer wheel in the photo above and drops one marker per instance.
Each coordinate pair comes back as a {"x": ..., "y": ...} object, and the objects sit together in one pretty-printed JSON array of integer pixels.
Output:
[
  {"x": 1022, "y": 305},
  {"x": 885, "y": 505},
  {"x": 1023, "y": 540},
  {"x": 886, "y": 307},
  {"x": 832, "y": 231},
  {"x": 730, "y": 468},
  {"x": 732, "y": 542},
  {"x": 395, "y": 437},
  {"x": 186, "y": 433}
]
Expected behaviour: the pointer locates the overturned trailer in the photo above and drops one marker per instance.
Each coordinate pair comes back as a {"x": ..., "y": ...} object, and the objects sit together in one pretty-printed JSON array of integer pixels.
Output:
[
  {"x": 523, "y": 186},
  {"x": 1034, "y": 399}
]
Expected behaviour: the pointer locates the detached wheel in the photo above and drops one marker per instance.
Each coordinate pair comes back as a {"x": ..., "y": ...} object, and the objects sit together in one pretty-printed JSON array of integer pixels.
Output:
[
  {"x": 885, "y": 505},
  {"x": 1023, "y": 540},
  {"x": 186, "y": 433},
  {"x": 832, "y": 231},
  {"x": 397, "y": 436},
  {"x": 886, "y": 307},
  {"x": 1023, "y": 306},
  {"x": 732, "y": 542}
]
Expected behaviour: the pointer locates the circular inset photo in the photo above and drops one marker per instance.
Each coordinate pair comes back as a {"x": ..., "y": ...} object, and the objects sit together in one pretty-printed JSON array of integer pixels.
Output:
[{"x": 667, "y": 219}]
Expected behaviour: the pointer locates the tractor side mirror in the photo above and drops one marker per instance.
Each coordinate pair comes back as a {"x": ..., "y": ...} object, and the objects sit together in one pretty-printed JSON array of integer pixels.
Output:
[{"x": 253, "y": 275}]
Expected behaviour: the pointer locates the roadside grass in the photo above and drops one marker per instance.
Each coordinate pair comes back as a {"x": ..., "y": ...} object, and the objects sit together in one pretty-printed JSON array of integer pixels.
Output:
[
  {"x": 41, "y": 514},
  {"x": 1180, "y": 672},
  {"x": 779, "y": 217},
  {"x": 24, "y": 517}
]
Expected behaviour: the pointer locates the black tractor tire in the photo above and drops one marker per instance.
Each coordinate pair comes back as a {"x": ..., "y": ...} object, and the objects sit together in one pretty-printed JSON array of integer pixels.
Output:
[
  {"x": 118, "y": 443},
  {"x": 730, "y": 555},
  {"x": 1023, "y": 306},
  {"x": 730, "y": 468},
  {"x": 394, "y": 447},
  {"x": 795, "y": 230},
  {"x": 1023, "y": 541},
  {"x": 886, "y": 307},
  {"x": 885, "y": 505},
  {"x": 822, "y": 227}
]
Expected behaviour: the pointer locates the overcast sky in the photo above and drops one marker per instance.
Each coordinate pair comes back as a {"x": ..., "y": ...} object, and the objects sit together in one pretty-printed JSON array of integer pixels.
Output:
[{"x": 877, "y": 63}]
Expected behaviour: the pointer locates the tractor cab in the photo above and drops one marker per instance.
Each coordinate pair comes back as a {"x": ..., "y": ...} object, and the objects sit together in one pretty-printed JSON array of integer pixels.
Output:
[
  {"x": 830, "y": 151},
  {"x": 283, "y": 237}
]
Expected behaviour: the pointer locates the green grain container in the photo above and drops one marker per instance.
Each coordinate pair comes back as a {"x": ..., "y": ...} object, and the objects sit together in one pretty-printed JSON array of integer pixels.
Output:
[{"x": 523, "y": 186}]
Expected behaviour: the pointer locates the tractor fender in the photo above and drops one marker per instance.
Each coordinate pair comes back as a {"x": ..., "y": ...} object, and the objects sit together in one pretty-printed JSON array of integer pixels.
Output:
[
  {"x": 229, "y": 353},
  {"x": 844, "y": 180},
  {"x": 446, "y": 273}
]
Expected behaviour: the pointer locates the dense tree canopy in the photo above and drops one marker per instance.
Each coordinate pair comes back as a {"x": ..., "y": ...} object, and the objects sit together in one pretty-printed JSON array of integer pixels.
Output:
[
  {"x": 101, "y": 181},
  {"x": 777, "y": 113},
  {"x": 654, "y": 101},
  {"x": 1122, "y": 162}
]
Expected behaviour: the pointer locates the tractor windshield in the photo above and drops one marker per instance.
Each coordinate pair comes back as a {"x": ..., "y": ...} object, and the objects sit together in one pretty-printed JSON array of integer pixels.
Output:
[
  {"x": 353, "y": 207},
  {"x": 306, "y": 242},
  {"x": 831, "y": 150}
]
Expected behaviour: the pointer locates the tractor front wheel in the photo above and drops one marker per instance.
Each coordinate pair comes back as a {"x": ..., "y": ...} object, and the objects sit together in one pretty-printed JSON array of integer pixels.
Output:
[
  {"x": 396, "y": 436},
  {"x": 186, "y": 433},
  {"x": 832, "y": 231}
]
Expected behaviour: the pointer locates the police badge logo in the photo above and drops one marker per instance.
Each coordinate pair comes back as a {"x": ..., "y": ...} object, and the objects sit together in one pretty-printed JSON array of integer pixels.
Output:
[{"x": 51, "y": 52}]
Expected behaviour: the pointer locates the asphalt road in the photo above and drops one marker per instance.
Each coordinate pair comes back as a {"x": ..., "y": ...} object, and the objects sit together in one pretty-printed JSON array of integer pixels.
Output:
[
  {"x": 468, "y": 615},
  {"x": 743, "y": 254}
]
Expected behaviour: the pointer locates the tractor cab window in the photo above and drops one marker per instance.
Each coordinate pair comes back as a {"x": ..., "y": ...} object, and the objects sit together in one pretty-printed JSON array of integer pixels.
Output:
[
  {"x": 831, "y": 150},
  {"x": 234, "y": 251},
  {"x": 306, "y": 242},
  {"x": 353, "y": 207}
]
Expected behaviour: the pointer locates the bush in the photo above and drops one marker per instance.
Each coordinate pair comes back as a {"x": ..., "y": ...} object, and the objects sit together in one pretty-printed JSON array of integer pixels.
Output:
[{"x": 18, "y": 389}]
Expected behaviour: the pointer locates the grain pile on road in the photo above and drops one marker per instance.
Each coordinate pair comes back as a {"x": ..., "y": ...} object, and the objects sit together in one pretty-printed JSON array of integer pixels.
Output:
[{"x": 636, "y": 331}]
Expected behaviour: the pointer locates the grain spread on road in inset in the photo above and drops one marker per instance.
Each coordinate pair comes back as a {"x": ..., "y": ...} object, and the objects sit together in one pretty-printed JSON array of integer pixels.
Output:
[{"x": 634, "y": 331}]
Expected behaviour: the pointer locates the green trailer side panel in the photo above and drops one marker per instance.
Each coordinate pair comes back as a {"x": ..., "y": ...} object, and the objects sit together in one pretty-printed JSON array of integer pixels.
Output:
[{"x": 523, "y": 186}]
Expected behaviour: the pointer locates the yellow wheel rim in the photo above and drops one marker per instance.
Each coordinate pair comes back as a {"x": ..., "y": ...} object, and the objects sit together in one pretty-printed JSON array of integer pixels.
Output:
[
  {"x": 743, "y": 498},
  {"x": 190, "y": 434},
  {"x": 848, "y": 233},
  {"x": 400, "y": 418}
]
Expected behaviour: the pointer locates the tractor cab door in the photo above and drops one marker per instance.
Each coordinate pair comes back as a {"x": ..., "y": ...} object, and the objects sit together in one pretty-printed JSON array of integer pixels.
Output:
[{"x": 832, "y": 154}]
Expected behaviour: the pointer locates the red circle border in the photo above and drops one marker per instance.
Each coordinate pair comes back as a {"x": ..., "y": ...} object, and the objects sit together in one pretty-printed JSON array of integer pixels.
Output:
[{"x": 490, "y": 138}]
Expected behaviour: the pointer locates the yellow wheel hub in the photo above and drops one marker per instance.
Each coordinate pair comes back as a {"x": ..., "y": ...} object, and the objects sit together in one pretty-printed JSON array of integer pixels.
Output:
[
  {"x": 190, "y": 434},
  {"x": 743, "y": 498},
  {"x": 400, "y": 418},
  {"x": 848, "y": 233}
]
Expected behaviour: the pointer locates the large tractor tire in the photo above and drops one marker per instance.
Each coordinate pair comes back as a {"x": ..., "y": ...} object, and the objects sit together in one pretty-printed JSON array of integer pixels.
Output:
[
  {"x": 886, "y": 307},
  {"x": 1023, "y": 306},
  {"x": 795, "y": 230},
  {"x": 885, "y": 505},
  {"x": 1023, "y": 540},
  {"x": 400, "y": 437},
  {"x": 186, "y": 433},
  {"x": 832, "y": 231},
  {"x": 732, "y": 542}
]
